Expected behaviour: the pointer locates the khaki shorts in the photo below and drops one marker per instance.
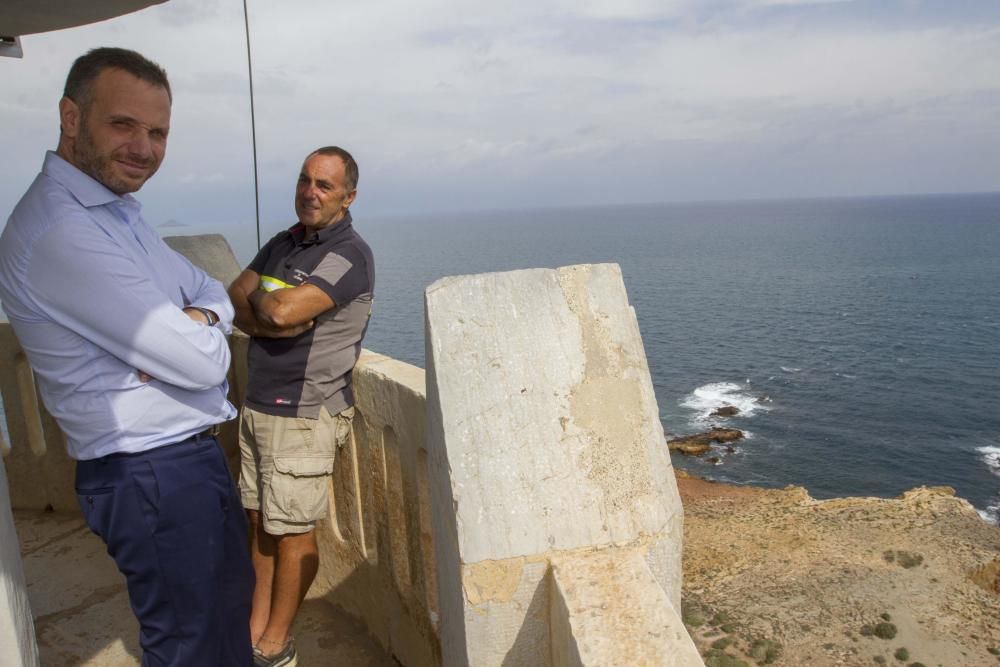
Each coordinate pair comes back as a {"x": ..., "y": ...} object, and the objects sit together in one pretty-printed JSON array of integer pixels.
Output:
[{"x": 285, "y": 466}]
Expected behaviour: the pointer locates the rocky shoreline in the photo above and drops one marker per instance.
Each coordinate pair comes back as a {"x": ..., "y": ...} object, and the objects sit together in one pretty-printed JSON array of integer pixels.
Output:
[{"x": 773, "y": 576}]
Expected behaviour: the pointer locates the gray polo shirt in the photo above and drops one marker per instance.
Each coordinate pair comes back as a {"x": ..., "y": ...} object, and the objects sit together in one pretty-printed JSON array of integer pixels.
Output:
[{"x": 293, "y": 377}]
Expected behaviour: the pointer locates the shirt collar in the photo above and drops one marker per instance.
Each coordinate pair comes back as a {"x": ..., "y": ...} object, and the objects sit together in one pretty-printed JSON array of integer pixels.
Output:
[
  {"x": 322, "y": 236},
  {"x": 88, "y": 191}
]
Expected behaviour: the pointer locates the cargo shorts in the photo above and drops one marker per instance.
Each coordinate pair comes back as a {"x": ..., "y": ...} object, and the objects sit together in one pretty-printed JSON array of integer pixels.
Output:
[{"x": 286, "y": 464}]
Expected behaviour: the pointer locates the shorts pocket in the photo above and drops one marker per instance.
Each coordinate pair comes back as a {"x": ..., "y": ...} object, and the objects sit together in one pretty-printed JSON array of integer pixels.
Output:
[
  {"x": 343, "y": 428},
  {"x": 298, "y": 489}
]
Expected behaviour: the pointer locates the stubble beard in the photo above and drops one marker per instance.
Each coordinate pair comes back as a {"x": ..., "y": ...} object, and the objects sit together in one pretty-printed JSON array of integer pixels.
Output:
[{"x": 101, "y": 167}]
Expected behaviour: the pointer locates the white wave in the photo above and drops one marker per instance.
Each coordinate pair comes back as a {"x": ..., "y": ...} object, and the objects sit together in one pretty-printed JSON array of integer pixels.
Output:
[
  {"x": 710, "y": 397},
  {"x": 991, "y": 514},
  {"x": 991, "y": 456},
  {"x": 791, "y": 369}
]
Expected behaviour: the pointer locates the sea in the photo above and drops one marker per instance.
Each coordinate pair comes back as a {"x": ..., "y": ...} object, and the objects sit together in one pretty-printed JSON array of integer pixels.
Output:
[{"x": 859, "y": 338}]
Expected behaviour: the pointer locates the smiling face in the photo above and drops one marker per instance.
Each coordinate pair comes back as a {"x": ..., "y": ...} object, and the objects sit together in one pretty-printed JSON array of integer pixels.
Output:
[
  {"x": 119, "y": 135},
  {"x": 321, "y": 196}
]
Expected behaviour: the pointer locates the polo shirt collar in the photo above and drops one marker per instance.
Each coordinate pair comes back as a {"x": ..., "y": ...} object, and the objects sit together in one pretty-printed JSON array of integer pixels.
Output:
[
  {"x": 84, "y": 188},
  {"x": 322, "y": 236}
]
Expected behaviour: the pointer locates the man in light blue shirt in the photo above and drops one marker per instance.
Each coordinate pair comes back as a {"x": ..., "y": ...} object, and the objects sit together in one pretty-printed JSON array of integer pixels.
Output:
[{"x": 128, "y": 342}]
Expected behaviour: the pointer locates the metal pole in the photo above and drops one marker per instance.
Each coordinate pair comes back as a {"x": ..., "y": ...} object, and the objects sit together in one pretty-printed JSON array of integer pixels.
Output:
[{"x": 253, "y": 123}]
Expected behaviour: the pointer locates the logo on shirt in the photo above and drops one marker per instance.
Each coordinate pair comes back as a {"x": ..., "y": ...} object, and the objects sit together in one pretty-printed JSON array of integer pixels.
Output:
[
  {"x": 300, "y": 275},
  {"x": 282, "y": 401}
]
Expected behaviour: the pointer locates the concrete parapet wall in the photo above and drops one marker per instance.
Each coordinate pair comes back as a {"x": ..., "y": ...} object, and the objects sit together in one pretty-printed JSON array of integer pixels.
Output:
[
  {"x": 545, "y": 439},
  {"x": 608, "y": 609},
  {"x": 376, "y": 544},
  {"x": 17, "y": 635}
]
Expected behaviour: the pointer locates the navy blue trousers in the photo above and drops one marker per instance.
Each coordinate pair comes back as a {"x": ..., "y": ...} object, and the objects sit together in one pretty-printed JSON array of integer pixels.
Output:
[{"x": 172, "y": 520}]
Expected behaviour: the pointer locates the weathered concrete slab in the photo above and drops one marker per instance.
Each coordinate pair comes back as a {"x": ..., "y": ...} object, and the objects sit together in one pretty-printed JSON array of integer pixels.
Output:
[
  {"x": 17, "y": 636},
  {"x": 607, "y": 609},
  {"x": 210, "y": 253},
  {"x": 544, "y": 438}
]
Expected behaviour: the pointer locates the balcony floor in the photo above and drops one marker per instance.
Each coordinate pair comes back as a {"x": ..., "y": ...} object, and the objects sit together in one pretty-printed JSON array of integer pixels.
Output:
[{"x": 82, "y": 615}]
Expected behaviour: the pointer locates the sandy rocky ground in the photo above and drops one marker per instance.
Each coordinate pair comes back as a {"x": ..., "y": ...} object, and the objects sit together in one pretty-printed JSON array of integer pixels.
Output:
[{"x": 776, "y": 577}]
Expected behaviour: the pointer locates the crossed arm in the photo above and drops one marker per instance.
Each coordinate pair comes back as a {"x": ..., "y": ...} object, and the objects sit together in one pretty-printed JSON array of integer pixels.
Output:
[{"x": 281, "y": 313}]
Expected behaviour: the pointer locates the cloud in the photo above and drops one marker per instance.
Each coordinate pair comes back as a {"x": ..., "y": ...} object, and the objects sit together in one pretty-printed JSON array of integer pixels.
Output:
[{"x": 447, "y": 104}]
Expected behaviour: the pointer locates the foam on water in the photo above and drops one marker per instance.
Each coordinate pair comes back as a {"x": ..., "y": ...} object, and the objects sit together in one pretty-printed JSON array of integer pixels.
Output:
[
  {"x": 991, "y": 456},
  {"x": 991, "y": 514},
  {"x": 708, "y": 398}
]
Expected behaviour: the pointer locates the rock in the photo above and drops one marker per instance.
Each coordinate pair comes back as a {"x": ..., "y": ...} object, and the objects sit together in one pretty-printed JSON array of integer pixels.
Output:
[
  {"x": 726, "y": 411},
  {"x": 700, "y": 443}
]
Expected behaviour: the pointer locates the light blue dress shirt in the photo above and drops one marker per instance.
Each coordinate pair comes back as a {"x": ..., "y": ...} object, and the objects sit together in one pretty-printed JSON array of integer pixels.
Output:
[{"x": 94, "y": 296}]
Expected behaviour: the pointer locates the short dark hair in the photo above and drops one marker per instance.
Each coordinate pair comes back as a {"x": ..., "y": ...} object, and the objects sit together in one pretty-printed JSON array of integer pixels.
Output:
[
  {"x": 86, "y": 68},
  {"x": 350, "y": 166}
]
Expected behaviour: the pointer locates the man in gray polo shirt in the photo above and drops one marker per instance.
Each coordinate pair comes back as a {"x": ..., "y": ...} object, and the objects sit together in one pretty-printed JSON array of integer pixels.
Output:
[{"x": 305, "y": 301}]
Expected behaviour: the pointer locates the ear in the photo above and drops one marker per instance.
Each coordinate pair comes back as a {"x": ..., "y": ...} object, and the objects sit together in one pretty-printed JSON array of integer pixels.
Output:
[
  {"x": 69, "y": 117},
  {"x": 350, "y": 199}
]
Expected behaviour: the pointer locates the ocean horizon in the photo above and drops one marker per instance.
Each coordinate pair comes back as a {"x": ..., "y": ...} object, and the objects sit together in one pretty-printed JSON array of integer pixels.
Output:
[{"x": 859, "y": 338}]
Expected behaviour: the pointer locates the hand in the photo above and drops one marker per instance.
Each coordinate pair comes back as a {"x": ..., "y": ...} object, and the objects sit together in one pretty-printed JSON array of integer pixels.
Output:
[
  {"x": 196, "y": 315},
  {"x": 264, "y": 331},
  {"x": 143, "y": 376}
]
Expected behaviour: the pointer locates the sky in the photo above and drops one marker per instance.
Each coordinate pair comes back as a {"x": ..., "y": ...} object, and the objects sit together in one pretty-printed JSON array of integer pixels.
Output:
[{"x": 452, "y": 106}]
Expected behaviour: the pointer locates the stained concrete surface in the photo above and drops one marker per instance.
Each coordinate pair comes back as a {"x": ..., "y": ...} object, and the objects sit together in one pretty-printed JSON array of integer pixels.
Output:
[{"x": 82, "y": 615}]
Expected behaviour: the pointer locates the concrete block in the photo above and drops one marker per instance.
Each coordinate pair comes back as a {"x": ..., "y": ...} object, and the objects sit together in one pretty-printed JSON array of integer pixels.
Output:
[
  {"x": 607, "y": 609},
  {"x": 210, "y": 253},
  {"x": 544, "y": 437},
  {"x": 17, "y": 633}
]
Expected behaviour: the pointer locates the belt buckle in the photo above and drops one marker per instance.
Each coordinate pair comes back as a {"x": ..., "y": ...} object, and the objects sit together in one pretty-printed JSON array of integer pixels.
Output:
[{"x": 212, "y": 431}]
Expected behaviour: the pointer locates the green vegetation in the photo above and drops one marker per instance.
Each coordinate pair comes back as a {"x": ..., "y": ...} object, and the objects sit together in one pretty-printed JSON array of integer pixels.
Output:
[
  {"x": 906, "y": 559},
  {"x": 886, "y": 617},
  {"x": 692, "y": 616},
  {"x": 722, "y": 643},
  {"x": 884, "y": 630},
  {"x": 721, "y": 618},
  {"x": 717, "y": 658},
  {"x": 765, "y": 651},
  {"x": 867, "y": 630},
  {"x": 901, "y": 654},
  {"x": 994, "y": 651},
  {"x": 916, "y": 664}
]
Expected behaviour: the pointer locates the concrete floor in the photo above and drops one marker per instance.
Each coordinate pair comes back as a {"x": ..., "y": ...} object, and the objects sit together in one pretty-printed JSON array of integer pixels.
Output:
[{"x": 82, "y": 615}]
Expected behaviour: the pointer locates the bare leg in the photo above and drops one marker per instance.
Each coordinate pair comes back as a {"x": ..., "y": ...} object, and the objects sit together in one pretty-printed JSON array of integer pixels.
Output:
[
  {"x": 262, "y": 552},
  {"x": 296, "y": 566}
]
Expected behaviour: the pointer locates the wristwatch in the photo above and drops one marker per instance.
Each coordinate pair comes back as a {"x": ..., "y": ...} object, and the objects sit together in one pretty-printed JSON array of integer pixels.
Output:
[{"x": 211, "y": 317}]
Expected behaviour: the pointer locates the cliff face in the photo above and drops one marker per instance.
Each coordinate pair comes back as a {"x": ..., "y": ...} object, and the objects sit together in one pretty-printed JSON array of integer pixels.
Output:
[{"x": 776, "y": 577}]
